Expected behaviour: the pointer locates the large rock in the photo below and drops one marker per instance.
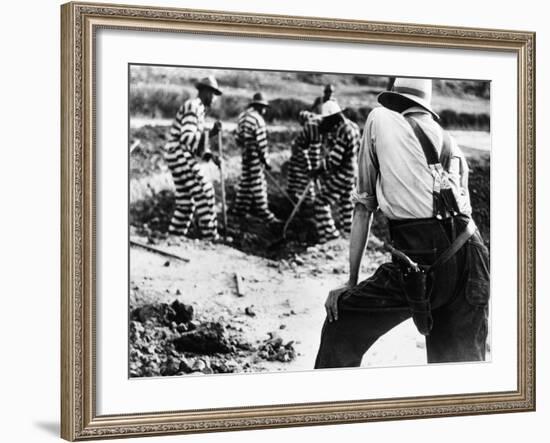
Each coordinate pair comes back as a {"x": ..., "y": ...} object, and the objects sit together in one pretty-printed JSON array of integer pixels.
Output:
[
  {"x": 163, "y": 313},
  {"x": 182, "y": 313},
  {"x": 208, "y": 338}
]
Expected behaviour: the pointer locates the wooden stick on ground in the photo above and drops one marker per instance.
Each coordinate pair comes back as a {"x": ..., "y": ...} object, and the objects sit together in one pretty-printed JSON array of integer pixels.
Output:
[
  {"x": 239, "y": 284},
  {"x": 159, "y": 251}
]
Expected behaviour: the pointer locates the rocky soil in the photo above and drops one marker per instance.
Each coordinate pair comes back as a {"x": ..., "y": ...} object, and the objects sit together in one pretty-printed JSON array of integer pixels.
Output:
[{"x": 194, "y": 317}]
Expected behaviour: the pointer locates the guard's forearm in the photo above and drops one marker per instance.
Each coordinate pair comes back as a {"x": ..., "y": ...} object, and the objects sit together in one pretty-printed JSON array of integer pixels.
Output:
[{"x": 360, "y": 230}]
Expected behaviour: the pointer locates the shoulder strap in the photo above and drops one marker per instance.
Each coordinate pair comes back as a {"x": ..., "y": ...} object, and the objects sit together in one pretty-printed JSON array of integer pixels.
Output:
[
  {"x": 427, "y": 146},
  {"x": 459, "y": 241}
]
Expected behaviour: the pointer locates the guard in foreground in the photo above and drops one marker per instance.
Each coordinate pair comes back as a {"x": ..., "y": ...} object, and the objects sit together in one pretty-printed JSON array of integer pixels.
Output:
[{"x": 414, "y": 172}]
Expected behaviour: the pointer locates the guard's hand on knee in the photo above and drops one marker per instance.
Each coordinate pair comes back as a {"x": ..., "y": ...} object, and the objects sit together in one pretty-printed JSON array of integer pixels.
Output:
[{"x": 331, "y": 304}]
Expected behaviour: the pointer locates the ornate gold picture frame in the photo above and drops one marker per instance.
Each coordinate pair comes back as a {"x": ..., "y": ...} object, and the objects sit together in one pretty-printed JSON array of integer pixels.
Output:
[{"x": 79, "y": 417}]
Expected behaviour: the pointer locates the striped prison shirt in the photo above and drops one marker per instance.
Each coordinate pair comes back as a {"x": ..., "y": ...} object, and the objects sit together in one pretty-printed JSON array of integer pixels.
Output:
[
  {"x": 188, "y": 127},
  {"x": 251, "y": 134},
  {"x": 341, "y": 156},
  {"x": 307, "y": 145},
  {"x": 305, "y": 155}
]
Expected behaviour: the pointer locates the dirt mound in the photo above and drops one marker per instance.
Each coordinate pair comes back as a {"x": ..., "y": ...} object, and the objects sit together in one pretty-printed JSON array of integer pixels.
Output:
[
  {"x": 164, "y": 314},
  {"x": 167, "y": 339}
]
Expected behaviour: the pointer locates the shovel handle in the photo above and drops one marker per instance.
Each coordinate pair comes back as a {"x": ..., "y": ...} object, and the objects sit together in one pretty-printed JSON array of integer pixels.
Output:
[
  {"x": 279, "y": 187},
  {"x": 222, "y": 184},
  {"x": 300, "y": 201}
]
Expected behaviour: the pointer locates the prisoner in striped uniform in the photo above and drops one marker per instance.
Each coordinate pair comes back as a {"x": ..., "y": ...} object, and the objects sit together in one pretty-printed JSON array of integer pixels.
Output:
[
  {"x": 251, "y": 137},
  {"x": 187, "y": 144},
  {"x": 337, "y": 174},
  {"x": 305, "y": 156}
]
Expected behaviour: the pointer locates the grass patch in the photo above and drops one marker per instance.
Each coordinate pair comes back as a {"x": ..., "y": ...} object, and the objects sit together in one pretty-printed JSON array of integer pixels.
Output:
[{"x": 158, "y": 92}]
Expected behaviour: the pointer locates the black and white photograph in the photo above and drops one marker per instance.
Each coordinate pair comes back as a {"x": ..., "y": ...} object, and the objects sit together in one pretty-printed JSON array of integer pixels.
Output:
[{"x": 297, "y": 221}]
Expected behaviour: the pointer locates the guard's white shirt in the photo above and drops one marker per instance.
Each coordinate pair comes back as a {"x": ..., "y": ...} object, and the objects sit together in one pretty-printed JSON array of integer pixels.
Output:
[{"x": 393, "y": 173}]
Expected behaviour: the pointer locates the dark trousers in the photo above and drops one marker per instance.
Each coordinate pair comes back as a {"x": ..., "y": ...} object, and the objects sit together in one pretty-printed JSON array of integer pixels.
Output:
[{"x": 459, "y": 299}]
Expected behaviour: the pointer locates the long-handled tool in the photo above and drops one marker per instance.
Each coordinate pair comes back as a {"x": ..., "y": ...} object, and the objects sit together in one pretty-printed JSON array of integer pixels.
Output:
[
  {"x": 222, "y": 184},
  {"x": 303, "y": 196},
  {"x": 297, "y": 206},
  {"x": 279, "y": 187}
]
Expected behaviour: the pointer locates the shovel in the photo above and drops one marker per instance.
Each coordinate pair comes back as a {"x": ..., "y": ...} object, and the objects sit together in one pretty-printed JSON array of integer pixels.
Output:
[
  {"x": 279, "y": 241},
  {"x": 279, "y": 187}
]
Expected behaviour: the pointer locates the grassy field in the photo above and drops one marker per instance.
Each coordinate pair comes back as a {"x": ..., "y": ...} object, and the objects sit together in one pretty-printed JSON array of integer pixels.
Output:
[{"x": 157, "y": 92}]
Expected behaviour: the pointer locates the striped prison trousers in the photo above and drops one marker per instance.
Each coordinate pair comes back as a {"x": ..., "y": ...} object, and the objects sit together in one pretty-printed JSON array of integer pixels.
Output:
[
  {"x": 194, "y": 194},
  {"x": 336, "y": 187},
  {"x": 305, "y": 156},
  {"x": 251, "y": 196}
]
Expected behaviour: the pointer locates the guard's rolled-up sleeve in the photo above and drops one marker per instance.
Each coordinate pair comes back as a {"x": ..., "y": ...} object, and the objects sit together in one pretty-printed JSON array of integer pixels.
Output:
[{"x": 367, "y": 174}]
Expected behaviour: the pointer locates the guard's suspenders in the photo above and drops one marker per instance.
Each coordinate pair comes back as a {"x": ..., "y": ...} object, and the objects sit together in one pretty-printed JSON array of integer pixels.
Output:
[
  {"x": 444, "y": 201},
  {"x": 415, "y": 276}
]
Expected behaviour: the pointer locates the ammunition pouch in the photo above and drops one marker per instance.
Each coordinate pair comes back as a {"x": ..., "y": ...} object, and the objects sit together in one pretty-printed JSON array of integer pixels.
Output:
[{"x": 445, "y": 203}]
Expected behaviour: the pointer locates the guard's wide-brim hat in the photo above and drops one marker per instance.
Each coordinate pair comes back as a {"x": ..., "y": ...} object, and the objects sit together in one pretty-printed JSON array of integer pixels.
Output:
[
  {"x": 259, "y": 100},
  {"x": 209, "y": 82},
  {"x": 407, "y": 92}
]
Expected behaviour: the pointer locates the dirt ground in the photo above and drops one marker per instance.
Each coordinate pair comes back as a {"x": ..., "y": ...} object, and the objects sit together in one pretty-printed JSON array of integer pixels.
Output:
[{"x": 282, "y": 298}]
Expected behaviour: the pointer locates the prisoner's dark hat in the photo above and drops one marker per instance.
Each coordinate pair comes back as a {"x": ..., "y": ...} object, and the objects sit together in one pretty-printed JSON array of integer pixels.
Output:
[{"x": 209, "y": 82}]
